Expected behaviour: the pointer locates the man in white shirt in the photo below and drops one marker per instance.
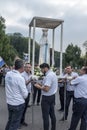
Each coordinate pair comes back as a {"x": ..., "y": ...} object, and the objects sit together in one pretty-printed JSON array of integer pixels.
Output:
[
  {"x": 80, "y": 101},
  {"x": 49, "y": 88},
  {"x": 16, "y": 93},
  {"x": 69, "y": 89},
  {"x": 27, "y": 76}
]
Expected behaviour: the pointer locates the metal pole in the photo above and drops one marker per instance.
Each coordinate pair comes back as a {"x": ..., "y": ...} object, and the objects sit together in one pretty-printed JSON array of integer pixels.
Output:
[
  {"x": 33, "y": 58},
  {"x": 65, "y": 98},
  {"x": 32, "y": 90},
  {"x": 53, "y": 47},
  {"x": 61, "y": 45},
  {"x": 33, "y": 53},
  {"x": 46, "y": 46},
  {"x": 29, "y": 42}
]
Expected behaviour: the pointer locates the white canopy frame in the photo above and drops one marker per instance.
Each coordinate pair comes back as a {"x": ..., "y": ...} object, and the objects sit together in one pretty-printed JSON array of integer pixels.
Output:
[{"x": 49, "y": 23}]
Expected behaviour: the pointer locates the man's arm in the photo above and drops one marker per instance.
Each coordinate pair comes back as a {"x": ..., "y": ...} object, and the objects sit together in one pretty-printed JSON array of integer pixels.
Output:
[
  {"x": 23, "y": 88},
  {"x": 44, "y": 88}
]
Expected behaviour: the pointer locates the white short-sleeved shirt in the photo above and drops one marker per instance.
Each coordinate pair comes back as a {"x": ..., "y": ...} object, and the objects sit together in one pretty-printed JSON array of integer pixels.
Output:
[
  {"x": 15, "y": 88},
  {"x": 80, "y": 84},
  {"x": 50, "y": 80},
  {"x": 70, "y": 87},
  {"x": 27, "y": 77}
]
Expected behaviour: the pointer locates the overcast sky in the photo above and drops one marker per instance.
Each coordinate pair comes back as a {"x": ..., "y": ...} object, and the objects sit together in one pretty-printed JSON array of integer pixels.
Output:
[{"x": 18, "y": 14}]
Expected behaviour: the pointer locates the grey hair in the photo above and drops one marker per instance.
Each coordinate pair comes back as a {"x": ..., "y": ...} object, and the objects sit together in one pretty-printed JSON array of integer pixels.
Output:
[{"x": 19, "y": 64}]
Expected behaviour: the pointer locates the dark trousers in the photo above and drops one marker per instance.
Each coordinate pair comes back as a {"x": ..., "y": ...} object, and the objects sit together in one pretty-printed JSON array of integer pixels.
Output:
[
  {"x": 47, "y": 105},
  {"x": 15, "y": 114},
  {"x": 61, "y": 95},
  {"x": 69, "y": 96},
  {"x": 36, "y": 92},
  {"x": 25, "y": 109},
  {"x": 1, "y": 77},
  {"x": 79, "y": 112}
]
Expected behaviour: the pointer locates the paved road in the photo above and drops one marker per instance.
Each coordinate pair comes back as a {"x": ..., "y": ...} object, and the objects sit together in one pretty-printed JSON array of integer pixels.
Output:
[{"x": 35, "y": 123}]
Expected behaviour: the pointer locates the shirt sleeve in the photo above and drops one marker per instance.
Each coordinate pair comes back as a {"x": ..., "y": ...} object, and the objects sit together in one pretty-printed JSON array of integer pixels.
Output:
[
  {"x": 23, "y": 76},
  {"x": 75, "y": 81},
  {"x": 23, "y": 88},
  {"x": 48, "y": 81}
]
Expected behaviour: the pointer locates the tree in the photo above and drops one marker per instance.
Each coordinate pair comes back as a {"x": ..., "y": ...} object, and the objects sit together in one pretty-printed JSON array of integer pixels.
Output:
[
  {"x": 85, "y": 45},
  {"x": 73, "y": 55},
  {"x": 85, "y": 57},
  {"x": 7, "y": 52},
  {"x": 20, "y": 43},
  {"x": 2, "y": 32}
]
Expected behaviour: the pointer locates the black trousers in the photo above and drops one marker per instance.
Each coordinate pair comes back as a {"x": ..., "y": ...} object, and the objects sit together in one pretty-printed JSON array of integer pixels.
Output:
[
  {"x": 1, "y": 77},
  {"x": 61, "y": 95},
  {"x": 47, "y": 105},
  {"x": 36, "y": 92},
  {"x": 69, "y": 96},
  {"x": 25, "y": 109},
  {"x": 79, "y": 112}
]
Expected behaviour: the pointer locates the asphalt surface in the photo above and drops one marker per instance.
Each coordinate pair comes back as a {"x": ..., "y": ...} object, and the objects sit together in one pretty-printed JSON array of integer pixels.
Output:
[{"x": 33, "y": 115}]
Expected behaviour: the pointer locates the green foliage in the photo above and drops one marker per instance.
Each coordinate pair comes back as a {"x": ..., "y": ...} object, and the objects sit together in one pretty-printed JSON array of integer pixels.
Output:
[
  {"x": 85, "y": 57},
  {"x": 57, "y": 58},
  {"x": 85, "y": 45},
  {"x": 2, "y": 27},
  {"x": 20, "y": 43},
  {"x": 2, "y": 32},
  {"x": 7, "y": 52},
  {"x": 73, "y": 55}
]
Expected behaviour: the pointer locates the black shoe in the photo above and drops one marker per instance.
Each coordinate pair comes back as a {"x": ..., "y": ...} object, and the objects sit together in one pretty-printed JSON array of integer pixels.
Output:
[
  {"x": 19, "y": 128},
  {"x": 63, "y": 119},
  {"x": 24, "y": 124},
  {"x": 28, "y": 106},
  {"x": 61, "y": 110}
]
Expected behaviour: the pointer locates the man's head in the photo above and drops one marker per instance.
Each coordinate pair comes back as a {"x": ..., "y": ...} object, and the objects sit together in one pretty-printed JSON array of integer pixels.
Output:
[
  {"x": 19, "y": 65},
  {"x": 83, "y": 70},
  {"x": 28, "y": 67},
  {"x": 69, "y": 69},
  {"x": 44, "y": 67}
]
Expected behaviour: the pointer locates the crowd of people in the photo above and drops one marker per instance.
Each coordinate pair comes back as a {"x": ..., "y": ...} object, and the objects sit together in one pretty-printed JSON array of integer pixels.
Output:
[
  {"x": 76, "y": 89},
  {"x": 3, "y": 71},
  {"x": 18, "y": 87}
]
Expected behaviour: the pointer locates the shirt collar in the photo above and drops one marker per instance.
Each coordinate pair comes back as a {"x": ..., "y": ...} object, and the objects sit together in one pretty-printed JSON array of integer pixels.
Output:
[
  {"x": 27, "y": 73},
  {"x": 16, "y": 71},
  {"x": 47, "y": 72}
]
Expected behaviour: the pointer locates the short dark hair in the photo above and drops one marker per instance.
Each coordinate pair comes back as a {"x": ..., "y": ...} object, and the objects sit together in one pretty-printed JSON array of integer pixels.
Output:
[
  {"x": 27, "y": 63},
  {"x": 19, "y": 64},
  {"x": 44, "y": 65},
  {"x": 69, "y": 66},
  {"x": 84, "y": 68}
]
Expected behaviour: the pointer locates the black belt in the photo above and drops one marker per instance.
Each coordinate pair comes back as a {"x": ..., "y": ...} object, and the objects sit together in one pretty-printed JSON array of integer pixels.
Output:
[
  {"x": 48, "y": 95},
  {"x": 81, "y": 98}
]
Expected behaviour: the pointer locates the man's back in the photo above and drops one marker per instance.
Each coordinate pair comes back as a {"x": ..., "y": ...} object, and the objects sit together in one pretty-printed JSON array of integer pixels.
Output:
[{"x": 15, "y": 88}]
